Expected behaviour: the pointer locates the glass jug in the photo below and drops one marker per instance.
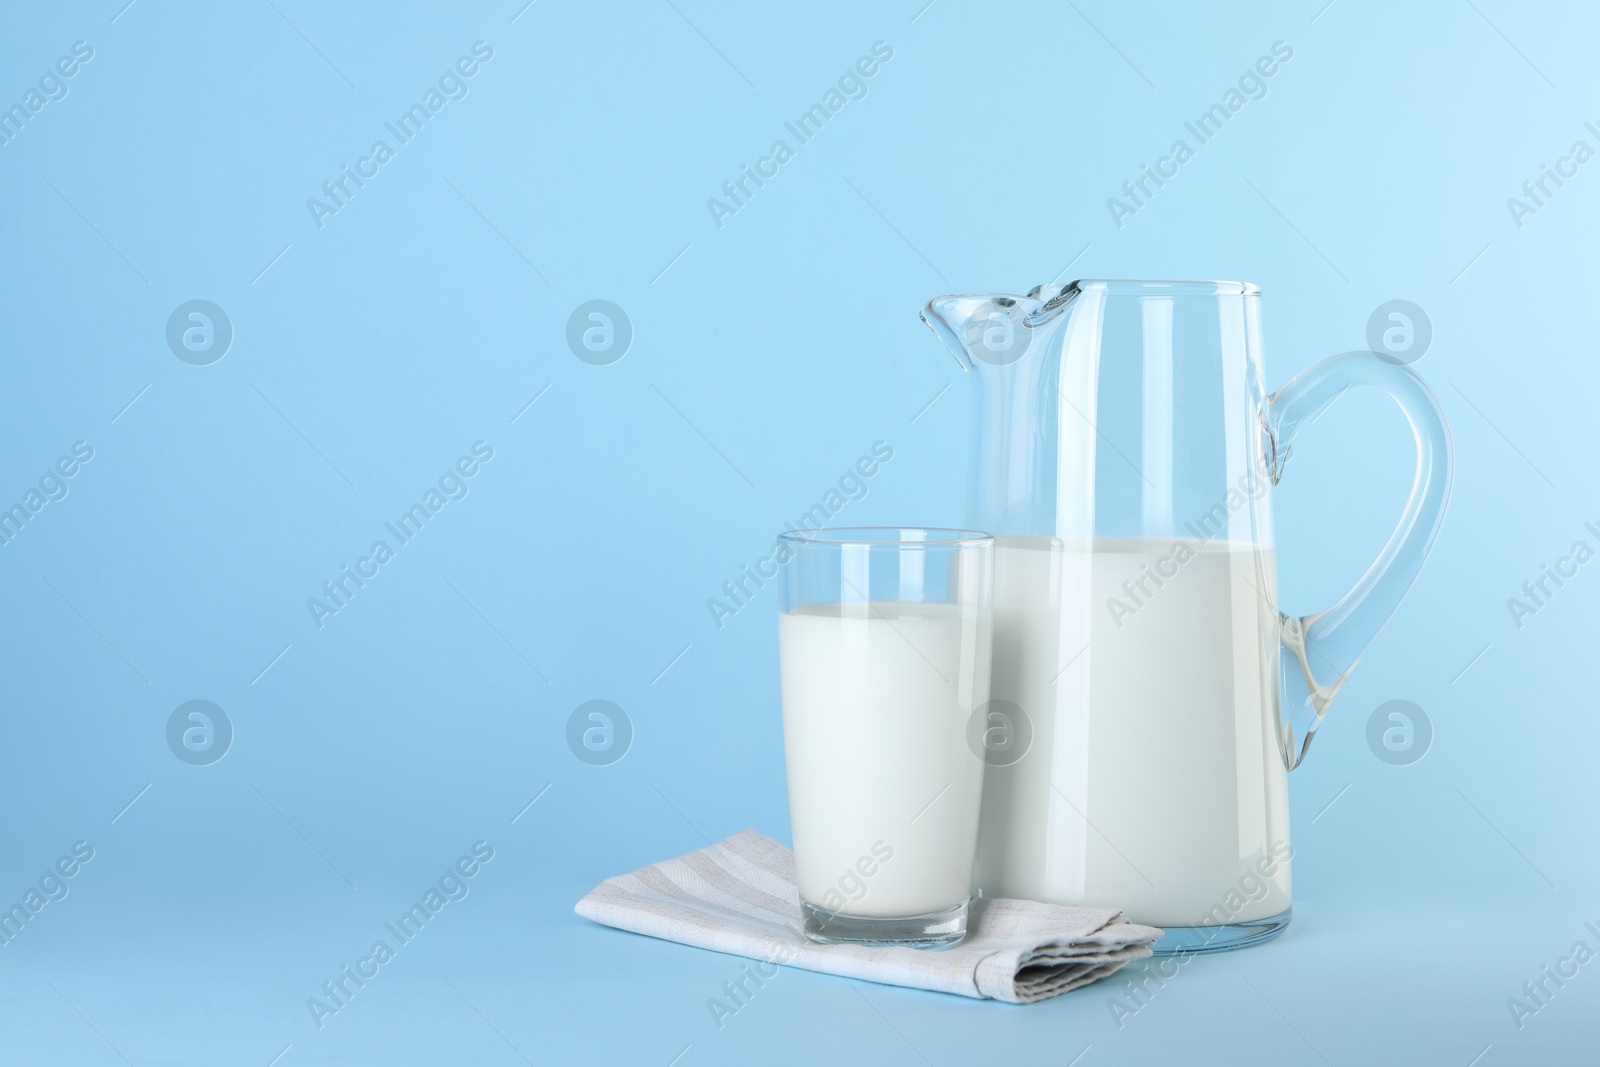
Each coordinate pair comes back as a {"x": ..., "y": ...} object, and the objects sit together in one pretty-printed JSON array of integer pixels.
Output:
[{"x": 1148, "y": 696}]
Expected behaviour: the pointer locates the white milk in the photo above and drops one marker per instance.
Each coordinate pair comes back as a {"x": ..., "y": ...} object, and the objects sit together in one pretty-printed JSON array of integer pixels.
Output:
[
  {"x": 883, "y": 789},
  {"x": 1154, "y": 781}
]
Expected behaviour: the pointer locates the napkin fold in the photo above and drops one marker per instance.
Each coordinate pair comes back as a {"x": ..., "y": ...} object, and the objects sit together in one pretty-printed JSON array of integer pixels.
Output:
[{"x": 739, "y": 896}]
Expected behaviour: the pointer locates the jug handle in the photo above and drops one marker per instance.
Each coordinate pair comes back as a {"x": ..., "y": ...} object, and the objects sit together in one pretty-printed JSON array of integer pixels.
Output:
[{"x": 1319, "y": 651}]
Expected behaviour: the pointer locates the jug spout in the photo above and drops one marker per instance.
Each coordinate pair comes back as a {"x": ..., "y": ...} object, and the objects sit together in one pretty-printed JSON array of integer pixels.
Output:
[
  {"x": 950, "y": 318},
  {"x": 984, "y": 328},
  {"x": 995, "y": 329}
]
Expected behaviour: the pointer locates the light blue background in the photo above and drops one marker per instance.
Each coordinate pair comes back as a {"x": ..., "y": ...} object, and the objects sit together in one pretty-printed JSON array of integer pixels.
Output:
[{"x": 767, "y": 357}]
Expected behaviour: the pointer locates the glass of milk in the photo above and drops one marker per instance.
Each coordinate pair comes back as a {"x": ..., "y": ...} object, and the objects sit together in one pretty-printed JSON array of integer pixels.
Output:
[{"x": 884, "y": 652}]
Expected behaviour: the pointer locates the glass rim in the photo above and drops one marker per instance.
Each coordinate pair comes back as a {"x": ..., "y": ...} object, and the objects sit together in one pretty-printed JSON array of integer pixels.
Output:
[{"x": 861, "y": 535}]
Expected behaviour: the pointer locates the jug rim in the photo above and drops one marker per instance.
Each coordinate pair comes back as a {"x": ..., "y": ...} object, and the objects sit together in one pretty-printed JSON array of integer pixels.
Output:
[{"x": 1179, "y": 287}]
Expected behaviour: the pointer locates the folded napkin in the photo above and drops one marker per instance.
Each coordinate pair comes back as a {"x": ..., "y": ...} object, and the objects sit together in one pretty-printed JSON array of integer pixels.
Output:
[{"x": 739, "y": 896}]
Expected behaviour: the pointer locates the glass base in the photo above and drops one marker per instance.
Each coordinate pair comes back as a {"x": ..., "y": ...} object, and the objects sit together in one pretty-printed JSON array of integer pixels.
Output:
[
  {"x": 1224, "y": 937},
  {"x": 938, "y": 929}
]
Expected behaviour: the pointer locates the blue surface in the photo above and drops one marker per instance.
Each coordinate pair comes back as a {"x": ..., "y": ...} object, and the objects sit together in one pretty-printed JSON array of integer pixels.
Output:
[{"x": 371, "y": 352}]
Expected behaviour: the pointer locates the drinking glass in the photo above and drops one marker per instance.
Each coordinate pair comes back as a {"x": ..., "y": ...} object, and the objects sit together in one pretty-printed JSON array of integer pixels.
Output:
[{"x": 884, "y": 649}]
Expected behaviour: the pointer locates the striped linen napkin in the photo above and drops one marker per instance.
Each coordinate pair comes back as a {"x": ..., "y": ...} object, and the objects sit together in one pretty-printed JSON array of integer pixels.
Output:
[{"x": 739, "y": 896}]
